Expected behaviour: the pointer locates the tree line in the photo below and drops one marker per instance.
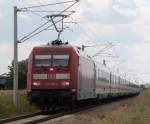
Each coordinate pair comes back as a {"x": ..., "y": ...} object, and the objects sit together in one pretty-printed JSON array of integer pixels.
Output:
[{"x": 22, "y": 72}]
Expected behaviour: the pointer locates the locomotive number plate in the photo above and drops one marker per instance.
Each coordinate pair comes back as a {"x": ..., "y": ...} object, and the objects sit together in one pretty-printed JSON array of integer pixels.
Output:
[{"x": 51, "y": 76}]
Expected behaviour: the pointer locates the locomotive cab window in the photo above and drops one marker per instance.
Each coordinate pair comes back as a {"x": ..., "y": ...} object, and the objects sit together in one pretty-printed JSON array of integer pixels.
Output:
[
  {"x": 60, "y": 60},
  {"x": 42, "y": 60}
]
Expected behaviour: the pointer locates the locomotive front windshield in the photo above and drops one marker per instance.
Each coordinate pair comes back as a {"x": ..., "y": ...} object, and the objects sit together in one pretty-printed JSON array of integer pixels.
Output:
[
  {"x": 43, "y": 60},
  {"x": 51, "y": 60},
  {"x": 60, "y": 60}
]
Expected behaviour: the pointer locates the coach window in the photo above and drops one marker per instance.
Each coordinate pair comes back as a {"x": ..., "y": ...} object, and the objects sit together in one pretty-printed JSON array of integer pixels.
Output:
[
  {"x": 42, "y": 60},
  {"x": 100, "y": 75},
  {"x": 116, "y": 79},
  {"x": 97, "y": 74},
  {"x": 60, "y": 60},
  {"x": 107, "y": 77}
]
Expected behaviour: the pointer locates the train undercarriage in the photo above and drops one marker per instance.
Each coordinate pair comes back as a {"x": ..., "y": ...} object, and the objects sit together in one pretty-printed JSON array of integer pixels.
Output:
[
  {"x": 52, "y": 99},
  {"x": 48, "y": 100}
]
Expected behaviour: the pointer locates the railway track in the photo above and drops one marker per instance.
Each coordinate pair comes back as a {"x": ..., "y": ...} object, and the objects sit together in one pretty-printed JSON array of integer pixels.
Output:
[
  {"x": 40, "y": 117},
  {"x": 37, "y": 119},
  {"x": 7, "y": 120}
]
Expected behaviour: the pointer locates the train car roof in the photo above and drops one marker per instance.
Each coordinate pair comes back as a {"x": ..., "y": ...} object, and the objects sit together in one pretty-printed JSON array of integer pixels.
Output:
[
  {"x": 65, "y": 46},
  {"x": 54, "y": 47}
]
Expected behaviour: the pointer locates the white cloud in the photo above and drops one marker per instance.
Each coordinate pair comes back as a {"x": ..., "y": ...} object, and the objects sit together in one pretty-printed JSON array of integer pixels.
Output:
[
  {"x": 137, "y": 59},
  {"x": 141, "y": 52},
  {"x": 140, "y": 57}
]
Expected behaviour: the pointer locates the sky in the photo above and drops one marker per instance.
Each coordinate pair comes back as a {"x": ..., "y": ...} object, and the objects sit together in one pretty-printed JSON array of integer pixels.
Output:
[{"x": 125, "y": 23}]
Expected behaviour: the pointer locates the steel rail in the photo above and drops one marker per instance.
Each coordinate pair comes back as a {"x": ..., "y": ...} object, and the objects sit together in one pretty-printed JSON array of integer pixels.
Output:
[{"x": 7, "y": 120}]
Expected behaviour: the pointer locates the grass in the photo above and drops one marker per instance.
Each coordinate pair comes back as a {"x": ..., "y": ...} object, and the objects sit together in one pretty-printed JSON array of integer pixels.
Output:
[
  {"x": 6, "y": 105},
  {"x": 137, "y": 112}
]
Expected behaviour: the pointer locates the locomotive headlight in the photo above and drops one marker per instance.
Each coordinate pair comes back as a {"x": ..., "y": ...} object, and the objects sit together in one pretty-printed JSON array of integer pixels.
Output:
[
  {"x": 63, "y": 76},
  {"x": 36, "y": 83},
  {"x": 73, "y": 90},
  {"x": 51, "y": 69},
  {"x": 65, "y": 83}
]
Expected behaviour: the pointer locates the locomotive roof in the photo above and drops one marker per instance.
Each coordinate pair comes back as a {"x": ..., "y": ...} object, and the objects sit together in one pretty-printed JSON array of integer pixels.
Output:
[
  {"x": 66, "y": 46},
  {"x": 55, "y": 46}
]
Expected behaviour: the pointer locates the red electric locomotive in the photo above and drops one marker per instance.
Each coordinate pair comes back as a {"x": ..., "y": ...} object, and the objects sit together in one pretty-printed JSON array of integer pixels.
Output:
[{"x": 52, "y": 75}]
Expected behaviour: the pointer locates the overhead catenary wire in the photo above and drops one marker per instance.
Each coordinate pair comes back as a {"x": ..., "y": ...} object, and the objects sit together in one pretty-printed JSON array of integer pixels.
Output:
[
  {"x": 22, "y": 39},
  {"x": 41, "y": 4},
  {"x": 68, "y": 8},
  {"x": 97, "y": 45},
  {"x": 38, "y": 6},
  {"x": 108, "y": 55},
  {"x": 42, "y": 9},
  {"x": 87, "y": 35},
  {"x": 35, "y": 13},
  {"x": 46, "y": 11},
  {"x": 109, "y": 46},
  {"x": 30, "y": 35},
  {"x": 84, "y": 32}
]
